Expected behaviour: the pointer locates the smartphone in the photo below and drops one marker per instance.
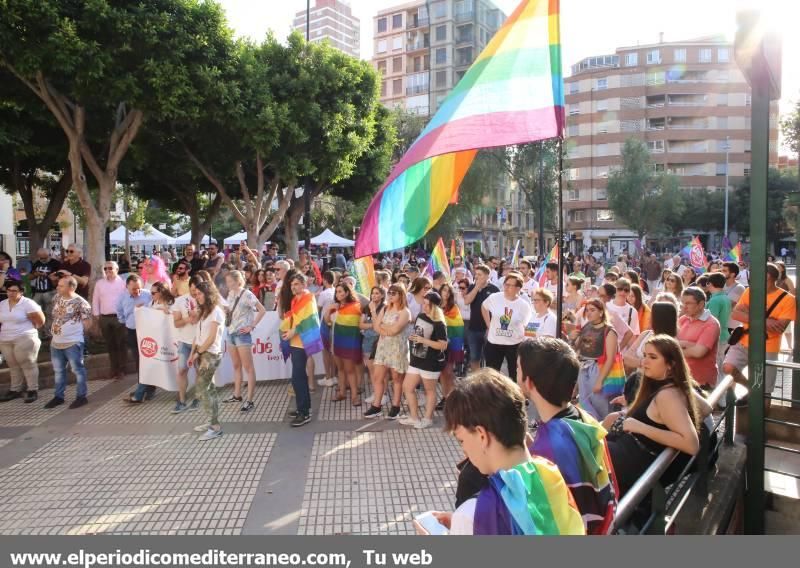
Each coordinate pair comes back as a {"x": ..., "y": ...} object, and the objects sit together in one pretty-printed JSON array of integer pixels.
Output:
[{"x": 427, "y": 524}]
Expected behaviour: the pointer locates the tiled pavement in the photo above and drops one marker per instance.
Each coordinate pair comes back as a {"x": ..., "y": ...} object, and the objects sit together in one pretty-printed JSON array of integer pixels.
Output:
[{"x": 112, "y": 467}]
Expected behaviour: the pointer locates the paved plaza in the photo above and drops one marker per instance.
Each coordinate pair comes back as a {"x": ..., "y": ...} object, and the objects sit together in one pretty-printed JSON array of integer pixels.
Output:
[{"x": 116, "y": 468}]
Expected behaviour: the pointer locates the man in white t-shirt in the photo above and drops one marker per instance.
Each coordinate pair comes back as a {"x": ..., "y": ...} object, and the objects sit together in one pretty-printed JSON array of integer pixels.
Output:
[
  {"x": 529, "y": 283},
  {"x": 506, "y": 314},
  {"x": 551, "y": 272},
  {"x": 619, "y": 305},
  {"x": 72, "y": 315},
  {"x": 184, "y": 316}
]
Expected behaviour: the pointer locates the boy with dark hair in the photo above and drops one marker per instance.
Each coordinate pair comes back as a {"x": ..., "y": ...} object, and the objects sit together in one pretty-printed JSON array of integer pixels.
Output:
[{"x": 547, "y": 371}]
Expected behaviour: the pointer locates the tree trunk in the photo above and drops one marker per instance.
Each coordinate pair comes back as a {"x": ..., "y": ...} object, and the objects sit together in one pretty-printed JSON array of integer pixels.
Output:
[{"x": 291, "y": 227}]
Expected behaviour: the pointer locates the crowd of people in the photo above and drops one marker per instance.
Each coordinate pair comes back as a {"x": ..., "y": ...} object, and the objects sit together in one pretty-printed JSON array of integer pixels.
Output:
[{"x": 671, "y": 332}]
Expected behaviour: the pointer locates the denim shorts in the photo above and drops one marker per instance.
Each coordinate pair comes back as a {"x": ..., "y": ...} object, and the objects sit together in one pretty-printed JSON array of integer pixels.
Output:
[
  {"x": 239, "y": 339},
  {"x": 476, "y": 341},
  {"x": 184, "y": 350}
]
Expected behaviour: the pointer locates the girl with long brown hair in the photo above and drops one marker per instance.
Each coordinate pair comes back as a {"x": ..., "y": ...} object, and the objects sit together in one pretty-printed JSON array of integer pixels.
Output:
[{"x": 206, "y": 356}]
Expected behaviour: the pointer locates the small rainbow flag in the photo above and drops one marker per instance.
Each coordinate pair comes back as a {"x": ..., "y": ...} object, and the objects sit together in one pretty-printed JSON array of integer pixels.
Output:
[
  {"x": 303, "y": 317},
  {"x": 346, "y": 332},
  {"x": 513, "y": 93},
  {"x": 364, "y": 268},
  {"x": 515, "y": 256},
  {"x": 529, "y": 499},
  {"x": 452, "y": 252},
  {"x": 735, "y": 254},
  {"x": 540, "y": 275},
  {"x": 439, "y": 259},
  {"x": 455, "y": 335},
  {"x": 463, "y": 256}
]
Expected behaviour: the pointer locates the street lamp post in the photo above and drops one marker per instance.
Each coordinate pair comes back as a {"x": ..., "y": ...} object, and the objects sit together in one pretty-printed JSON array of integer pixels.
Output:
[
  {"x": 727, "y": 152},
  {"x": 306, "y": 192}
]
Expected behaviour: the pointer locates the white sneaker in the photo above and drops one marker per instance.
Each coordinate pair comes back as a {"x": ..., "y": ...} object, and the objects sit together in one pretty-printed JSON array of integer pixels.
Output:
[
  {"x": 423, "y": 423},
  {"x": 202, "y": 428},
  {"x": 408, "y": 421},
  {"x": 210, "y": 435}
]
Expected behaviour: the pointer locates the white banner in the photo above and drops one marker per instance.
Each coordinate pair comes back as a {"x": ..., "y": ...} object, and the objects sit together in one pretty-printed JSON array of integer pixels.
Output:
[{"x": 158, "y": 351}]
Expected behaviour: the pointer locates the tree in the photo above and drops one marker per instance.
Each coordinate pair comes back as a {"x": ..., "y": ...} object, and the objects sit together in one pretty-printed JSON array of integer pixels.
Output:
[
  {"x": 640, "y": 197},
  {"x": 790, "y": 127},
  {"x": 33, "y": 164},
  {"x": 305, "y": 113},
  {"x": 779, "y": 187},
  {"x": 101, "y": 68}
]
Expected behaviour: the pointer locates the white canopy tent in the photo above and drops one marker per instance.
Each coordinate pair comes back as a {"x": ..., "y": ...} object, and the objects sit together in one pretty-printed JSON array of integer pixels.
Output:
[
  {"x": 236, "y": 239},
  {"x": 144, "y": 237},
  {"x": 328, "y": 237},
  {"x": 186, "y": 238}
]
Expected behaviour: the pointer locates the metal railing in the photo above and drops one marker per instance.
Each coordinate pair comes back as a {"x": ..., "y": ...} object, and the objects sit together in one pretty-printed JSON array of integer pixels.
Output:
[
  {"x": 794, "y": 401},
  {"x": 666, "y": 502}
]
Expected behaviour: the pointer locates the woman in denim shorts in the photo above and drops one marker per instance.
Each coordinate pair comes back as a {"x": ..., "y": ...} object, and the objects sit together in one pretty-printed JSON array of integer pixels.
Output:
[{"x": 244, "y": 311}]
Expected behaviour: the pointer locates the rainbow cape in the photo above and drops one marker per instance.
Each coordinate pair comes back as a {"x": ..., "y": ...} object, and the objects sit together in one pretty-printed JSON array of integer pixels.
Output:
[
  {"x": 579, "y": 450},
  {"x": 541, "y": 276},
  {"x": 455, "y": 335},
  {"x": 303, "y": 317},
  {"x": 346, "y": 333},
  {"x": 529, "y": 499},
  {"x": 439, "y": 259},
  {"x": 512, "y": 94}
]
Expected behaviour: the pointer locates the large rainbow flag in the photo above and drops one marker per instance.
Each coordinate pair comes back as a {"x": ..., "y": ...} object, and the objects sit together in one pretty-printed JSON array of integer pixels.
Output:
[
  {"x": 579, "y": 450},
  {"x": 529, "y": 499},
  {"x": 346, "y": 332},
  {"x": 541, "y": 275},
  {"x": 512, "y": 94}
]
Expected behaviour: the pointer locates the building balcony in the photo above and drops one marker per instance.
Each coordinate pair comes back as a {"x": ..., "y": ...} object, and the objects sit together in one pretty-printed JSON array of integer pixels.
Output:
[
  {"x": 415, "y": 23},
  {"x": 418, "y": 45},
  {"x": 465, "y": 16},
  {"x": 464, "y": 40},
  {"x": 416, "y": 90}
]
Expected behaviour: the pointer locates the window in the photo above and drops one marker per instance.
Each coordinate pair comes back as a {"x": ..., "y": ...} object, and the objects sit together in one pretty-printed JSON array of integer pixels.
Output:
[
  {"x": 602, "y": 127},
  {"x": 602, "y": 149},
  {"x": 397, "y": 65},
  {"x": 382, "y": 67},
  {"x": 722, "y": 122},
  {"x": 572, "y": 174},
  {"x": 382, "y": 46},
  {"x": 631, "y": 59},
  {"x": 572, "y": 130},
  {"x": 747, "y": 171},
  {"x": 680, "y": 55},
  {"x": 723, "y": 55},
  {"x": 441, "y": 55},
  {"x": 439, "y": 10},
  {"x": 722, "y": 168},
  {"x": 578, "y": 215},
  {"x": 602, "y": 105},
  {"x": 653, "y": 56},
  {"x": 397, "y": 43},
  {"x": 655, "y": 145},
  {"x": 705, "y": 56},
  {"x": 441, "y": 33},
  {"x": 381, "y": 25},
  {"x": 574, "y": 195},
  {"x": 574, "y": 88},
  {"x": 383, "y": 88},
  {"x": 722, "y": 99},
  {"x": 600, "y": 193},
  {"x": 397, "y": 21},
  {"x": 748, "y": 145},
  {"x": 605, "y": 215},
  {"x": 748, "y": 100},
  {"x": 397, "y": 86},
  {"x": 722, "y": 145},
  {"x": 574, "y": 109},
  {"x": 441, "y": 78},
  {"x": 602, "y": 84}
]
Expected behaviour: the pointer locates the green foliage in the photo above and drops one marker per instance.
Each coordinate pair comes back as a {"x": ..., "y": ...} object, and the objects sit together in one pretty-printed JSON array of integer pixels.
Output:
[
  {"x": 779, "y": 187},
  {"x": 790, "y": 128},
  {"x": 642, "y": 199}
]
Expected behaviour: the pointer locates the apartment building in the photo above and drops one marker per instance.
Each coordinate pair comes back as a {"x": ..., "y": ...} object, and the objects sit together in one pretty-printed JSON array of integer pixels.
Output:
[
  {"x": 687, "y": 100},
  {"x": 423, "y": 48},
  {"x": 332, "y": 20}
]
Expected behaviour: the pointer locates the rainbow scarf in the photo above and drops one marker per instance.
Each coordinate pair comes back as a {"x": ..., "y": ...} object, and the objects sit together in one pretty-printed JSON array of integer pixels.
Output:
[
  {"x": 303, "y": 317},
  {"x": 512, "y": 94},
  {"x": 439, "y": 259},
  {"x": 346, "y": 333},
  {"x": 455, "y": 335},
  {"x": 579, "y": 450},
  {"x": 541, "y": 275},
  {"x": 529, "y": 499}
]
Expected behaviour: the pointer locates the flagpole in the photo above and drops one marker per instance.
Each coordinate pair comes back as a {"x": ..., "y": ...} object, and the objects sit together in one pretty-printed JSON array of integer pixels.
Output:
[{"x": 560, "y": 238}]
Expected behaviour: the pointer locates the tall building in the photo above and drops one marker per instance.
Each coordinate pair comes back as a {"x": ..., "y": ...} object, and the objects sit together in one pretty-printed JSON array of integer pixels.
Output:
[
  {"x": 687, "y": 100},
  {"x": 332, "y": 20},
  {"x": 422, "y": 54}
]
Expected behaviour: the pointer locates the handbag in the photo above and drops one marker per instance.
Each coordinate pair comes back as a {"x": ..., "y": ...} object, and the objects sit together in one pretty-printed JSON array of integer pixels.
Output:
[{"x": 614, "y": 382}]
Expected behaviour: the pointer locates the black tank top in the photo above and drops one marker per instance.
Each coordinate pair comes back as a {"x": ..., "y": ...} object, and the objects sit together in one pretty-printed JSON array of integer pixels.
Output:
[{"x": 640, "y": 414}]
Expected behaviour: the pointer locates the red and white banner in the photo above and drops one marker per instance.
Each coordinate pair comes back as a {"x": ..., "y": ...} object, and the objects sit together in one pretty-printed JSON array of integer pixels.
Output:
[{"x": 158, "y": 351}]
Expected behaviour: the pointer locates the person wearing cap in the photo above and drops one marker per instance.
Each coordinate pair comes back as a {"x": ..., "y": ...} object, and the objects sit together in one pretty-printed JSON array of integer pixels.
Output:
[{"x": 427, "y": 351}]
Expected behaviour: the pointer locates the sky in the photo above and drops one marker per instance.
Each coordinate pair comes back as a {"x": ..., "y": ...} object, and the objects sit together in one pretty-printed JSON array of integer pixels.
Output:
[{"x": 588, "y": 27}]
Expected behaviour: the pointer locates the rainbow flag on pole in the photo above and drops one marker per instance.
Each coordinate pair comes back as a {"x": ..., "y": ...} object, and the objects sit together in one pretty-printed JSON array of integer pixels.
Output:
[
  {"x": 735, "y": 254},
  {"x": 540, "y": 275},
  {"x": 452, "y": 251},
  {"x": 697, "y": 256},
  {"x": 515, "y": 256},
  {"x": 512, "y": 94},
  {"x": 439, "y": 259},
  {"x": 365, "y": 274},
  {"x": 463, "y": 256}
]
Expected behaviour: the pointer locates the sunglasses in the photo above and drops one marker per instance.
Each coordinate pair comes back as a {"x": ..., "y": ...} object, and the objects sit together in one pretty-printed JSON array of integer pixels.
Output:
[{"x": 108, "y": 268}]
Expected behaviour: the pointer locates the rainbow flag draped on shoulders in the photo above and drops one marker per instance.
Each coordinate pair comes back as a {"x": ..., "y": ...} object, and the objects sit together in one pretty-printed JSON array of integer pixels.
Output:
[
  {"x": 512, "y": 94},
  {"x": 303, "y": 317},
  {"x": 529, "y": 499},
  {"x": 346, "y": 333},
  {"x": 455, "y": 335},
  {"x": 579, "y": 450}
]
